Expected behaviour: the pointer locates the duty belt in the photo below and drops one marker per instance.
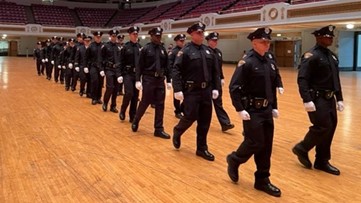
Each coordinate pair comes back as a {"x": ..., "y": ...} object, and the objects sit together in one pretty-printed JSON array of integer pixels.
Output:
[
  {"x": 152, "y": 73},
  {"x": 192, "y": 85},
  {"x": 255, "y": 102},
  {"x": 327, "y": 94},
  {"x": 129, "y": 69}
]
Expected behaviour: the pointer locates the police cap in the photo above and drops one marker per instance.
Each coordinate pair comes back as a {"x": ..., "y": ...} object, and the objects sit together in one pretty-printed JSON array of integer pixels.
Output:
[
  {"x": 325, "y": 31},
  {"x": 196, "y": 27},
  {"x": 80, "y": 34},
  {"x": 120, "y": 36},
  {"x": 87, "y": 37},
  {"x": 212, "y": 36},
  {"x": 71, "y": 40},
  {"x": 98, "y": 33},
  {"x": 113, "y": 32},
  {"x": 133, "y": 29},
  {"x": 156, "y": 31},
  {"x": 261, "y": 33},
  {"x": 180, "y": 37},
  {"x": 38, "y": 43}
]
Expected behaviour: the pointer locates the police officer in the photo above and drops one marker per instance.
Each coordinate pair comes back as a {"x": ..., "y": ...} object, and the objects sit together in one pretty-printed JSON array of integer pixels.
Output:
[
  {"x": 179, "y": 41},
  {"x": 149, "y": 76},
  {"x": 76, "y": 73},
  {"x": 47, "y": 55},
  {"x": 120, "y": 39},
  {"x": 195, "y": 81},
  {"x": 129, "y": 56},
  {"x": 111, "y": 64},
  {"x": 55, "y": 59},
  {"x": 223, "y": 118},
  {"x": 39, "y": 58},
  {"x": 253, "y": 93},
  {"x": 69, "y": 56},
  {"x": 80, "y": 64},
  {"x": 320, "y": 89},
  {"x": 93, "y": 58}
]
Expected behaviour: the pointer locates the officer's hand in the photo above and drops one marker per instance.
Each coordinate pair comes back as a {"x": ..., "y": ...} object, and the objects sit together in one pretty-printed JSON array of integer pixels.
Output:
[
  {"x": 275, "y": 113},
  {"x": 309, "y": 106},
  {"x": 215, "y": 94},
  {"x": 77, "y": 69},
  {"x": 46, "y": 60},
  {"x": 138, "y": 85},
  {"x": 43, "y": 60},
  {"x": 281, "y": 90},
  {"x": 120, "y": 79},
  {"x": 70, "y": 65},
  {"x": 179, "y": 96},
  {"x": 169, "y": 86},
  {"x": 86, "y": 70},
  {"x": 52, "y": 62},
  {"x": 59, "y": 66},
  {"x": 340, "y": 106},
  {"x": 222, "y": 82},
  {"x": 102, "y": 73},
  {"x": 63, "y": 67},
  {"x": 244, "y": 115}
]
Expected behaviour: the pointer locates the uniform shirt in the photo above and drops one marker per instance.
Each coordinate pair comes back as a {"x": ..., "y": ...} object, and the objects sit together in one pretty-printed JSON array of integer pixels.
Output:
[
  {"x": 111, "y": 54},
  {"x": 79, "y": 60},
  {"x": 38, "y": 54},
  {"x": 171, "y": 57},
  {"x": 147, "y": 60},
  {"x": 319, "y": 71},
  {"x": 219, "y": 57},
  {"x": 188, "y": 66},
  {"x": 248, "y": 79},
  {"x": 69, "y": 55},
  {"x": 93, "y": 56},
  {"x": 127, "y": 55},
  {"x": 55, "y": 53}
]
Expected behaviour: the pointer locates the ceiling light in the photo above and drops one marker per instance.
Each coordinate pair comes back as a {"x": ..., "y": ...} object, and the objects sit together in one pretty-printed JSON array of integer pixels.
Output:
[
  {"x": 350, "y": 26},
  {"x": 279, "y": 35},
  {"x": 169, "y": 35}
]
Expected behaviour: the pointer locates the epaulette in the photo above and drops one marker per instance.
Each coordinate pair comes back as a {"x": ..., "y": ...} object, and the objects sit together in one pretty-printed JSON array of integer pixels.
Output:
[
  {"x": 241, "y": 62},
  {"x": 180, "y": 53},
  {"x": 307, "y": 55}
]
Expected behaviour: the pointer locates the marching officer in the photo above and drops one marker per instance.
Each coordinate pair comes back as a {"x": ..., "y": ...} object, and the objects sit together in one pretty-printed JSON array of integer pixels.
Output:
[
  {"x": 39, "y": 57},
  {"x": 253, "y": 93},
  {"x": 111, "y": 64},
  {"x": 55, "y": 59},
  {"x": 195, "y": 80},
  {"x": 69, "y": 56},
  {"x": 80, "y": 64},
  {"x": 76, "y": 73},
  {"x": 320, "y": 88},
  {"x": 149, "y": 76},
  {"x": 179, "y": 41},
  {"x": 129, "y": 56},
  {"x": 223, "y": 118},
  {"x": 47, "y": 55},
  {"x": 120, "y": 39},
  {"x": 93, "y": 58}
]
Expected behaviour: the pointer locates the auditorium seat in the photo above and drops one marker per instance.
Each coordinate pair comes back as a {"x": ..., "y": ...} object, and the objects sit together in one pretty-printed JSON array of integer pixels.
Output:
[
  {"x": 12, "y": 13},
  {"x": 95, "y": 17},
  {"x": 52, "y": 15}
]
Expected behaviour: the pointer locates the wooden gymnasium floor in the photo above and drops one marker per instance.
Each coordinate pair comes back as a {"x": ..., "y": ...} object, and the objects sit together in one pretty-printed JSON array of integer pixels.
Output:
[{"x": 57, "y": 147}]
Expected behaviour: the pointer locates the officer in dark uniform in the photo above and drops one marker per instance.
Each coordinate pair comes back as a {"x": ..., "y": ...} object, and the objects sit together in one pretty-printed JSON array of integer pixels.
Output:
[
  {"x": 76, "y": 72},
  {"x": 179, "y": 41},
  {"x": 320, "y": 89},
  {"x": 111, "y": 64},
  {"x": 69, "y": 57},
  {"x": 39, "y": 58},
  {"x": 223, "y": 118},
  {"x": 149, "y": 76},
  {"x": 195, "y": 81},
  {"x": 55, "y": 59},
  {"x": 129, "y": 56},
  {"x": 93, "y": 58},
  {"x": 83, "y": 68},
  {"x": 120, "y": 38},
  {"x": 47, "y": 55},
  {"x": 253, "y": 93}
]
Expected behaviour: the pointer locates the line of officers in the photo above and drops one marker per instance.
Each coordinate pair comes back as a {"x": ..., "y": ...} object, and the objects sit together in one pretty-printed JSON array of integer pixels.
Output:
[{"x": 194, "y": 71}]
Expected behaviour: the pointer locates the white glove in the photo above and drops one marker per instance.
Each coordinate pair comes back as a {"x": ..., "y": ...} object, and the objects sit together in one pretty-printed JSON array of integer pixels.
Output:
[
  {"x": 63, "y": 67},
  {"x": 215, "y": 94},
  {"x": 70, "y": 65},
  {"x": 138, "y": 85},
  {"x": 102, "y": 73},
  {"x": 281, "y": 90},
  {"x": 340, "y": 106},
  {"x": 309, "y": 106},
  {"x": 169, "y": 86},
  {"x": 275, "y": 113},
  {"x": 244, "y": 115},
  {"x": 222, "y": 82},
  {"x": 52, "y": 62},
  {"x": 59, "y": 66},
  {"x": 120, "y": 79},
  {"x": 43, "y": 60},
  {"x": 179, "y": 96},
  {"x": 46, "y": 60},
  {"x": 77, "y": 69},
  {"x": 86, "y": 70}
]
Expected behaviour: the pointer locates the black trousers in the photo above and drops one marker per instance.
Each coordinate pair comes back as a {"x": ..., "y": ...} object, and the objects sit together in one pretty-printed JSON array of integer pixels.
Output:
[
  {"x": 197, "y": 106},
  {"x": 177, "y": 105},
  {"x": 58, "y": 72},
  {"x": 76, "y": 76},
  {"x": 153, "y": 93},
  {"x": 112, "y": 87},
  {"x": 320, "y": 134},
  {"x": 258, "y": 141},
  {"x": 96, "y": 81},
  {"x": 222, "y": 115},
  {"x": 49, "y": 69},
  {"x": 68, "y": 75},
  {"x": 130, "y": 96},
  {"x": 85, "y": 80},
  {"x": 39, "y": 66}
]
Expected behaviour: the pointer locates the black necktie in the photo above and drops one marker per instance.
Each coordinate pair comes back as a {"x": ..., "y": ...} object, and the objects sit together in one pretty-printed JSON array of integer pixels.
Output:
[
  {"x": 204, "y": 64},
  {"x": 336, "y": 82},
  {"x": 268, "y": 85},
  {"x": 157, "y": 59}
]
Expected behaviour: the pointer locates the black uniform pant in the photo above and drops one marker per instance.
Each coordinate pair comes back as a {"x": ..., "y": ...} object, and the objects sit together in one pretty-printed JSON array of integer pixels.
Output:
[
  {"x": 68, "y": 75},
  {"x": 177, "y": 106},
  {"x": 222, "y": 115},
  {"x": 96, "y": 81},
  {"x": 85, "y": 80},
  {"x": 58, "y": 72},
  {"x": 112, "y": 87},
  {"x": 131, "y": 95},
  {"x": 258, "y": 141},
  {"x": 153, "y": 93},
  {"x": 49, "y": 69},
  {"x": 197, "y": 106},
  {"x": 39, "y": 66},
  {"x": 76, "y": 76},
  {"x": 320, "y": 134}
]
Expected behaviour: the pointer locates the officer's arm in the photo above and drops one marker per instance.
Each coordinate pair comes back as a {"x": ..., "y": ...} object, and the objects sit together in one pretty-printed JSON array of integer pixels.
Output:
[
  {"x": 304, "y": 77},
  {"x": 142, "y": 58},
  {"x": 77, "y": 57},
  {"x": 220, "y": 63},
  {"x": 216, "y": 82},
  {"x": 176, "y": 71},
  {"x": 117, "y": 61},
  {"x": 87, "y": 56},
  {"x": 236, "y": 86},
  {"x": 167, "y": 70}
]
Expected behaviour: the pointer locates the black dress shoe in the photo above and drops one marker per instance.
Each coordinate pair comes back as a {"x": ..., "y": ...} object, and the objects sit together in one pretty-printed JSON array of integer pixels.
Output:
[
  {"x": 152, "y": 106},
  {"x": 113, "y": 109},
  {"x": 161, "y": 134},
  {"x": 99, "y": 101},
  {"x": 134, "y": 126},
  {"x": 66, "y": 88},
  {"x": 268, "y": 188},
  {"x": 179, "y": 115},
  {"x": 176, "y": 141},
  {"x": 227, "y": 127},
  {"x": 122, "y": 116},
  {"x": 302, "y": 156},
  {"x": 81, "y": 93},
  {"x": 232, "y": 169},
  {"x": 94, "y": 102},
  {"x": 205, "y": 154},
  {"x": 72, "y": 89},
  {"x": 327, "y": 167},
  {"x": 105, "y": 107}
]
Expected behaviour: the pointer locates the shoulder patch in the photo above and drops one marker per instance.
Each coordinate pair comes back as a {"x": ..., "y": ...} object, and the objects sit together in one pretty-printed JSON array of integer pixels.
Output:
[
  {"x": 307, "y": 55},
  {"x": 241, "y": 62},
  {"x": 180, "y": 53}
]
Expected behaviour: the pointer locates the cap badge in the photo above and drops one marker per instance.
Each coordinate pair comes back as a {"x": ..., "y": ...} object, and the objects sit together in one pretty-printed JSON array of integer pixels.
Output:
[
  {"x": 266, "y": 30},
  {"x": 330, "y": 28}
]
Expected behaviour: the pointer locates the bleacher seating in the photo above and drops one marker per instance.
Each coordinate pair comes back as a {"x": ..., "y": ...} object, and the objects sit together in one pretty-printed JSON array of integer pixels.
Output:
[
  {"x": 12, "y": 13},
  {"x": 126, "y": 17},
  {"x": 180, "y": 10},
  {"x": 155, "y": 13},
  {"x": 52, "y": 15},
  {"x": 95, "y": 17},
  {"x": 210, "y": 6}
]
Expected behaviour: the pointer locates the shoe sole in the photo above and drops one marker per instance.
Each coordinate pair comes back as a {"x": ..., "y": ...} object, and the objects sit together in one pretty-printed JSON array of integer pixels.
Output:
[{"x": 306, "y": 163}]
